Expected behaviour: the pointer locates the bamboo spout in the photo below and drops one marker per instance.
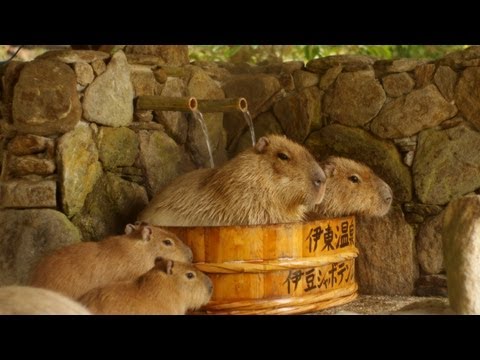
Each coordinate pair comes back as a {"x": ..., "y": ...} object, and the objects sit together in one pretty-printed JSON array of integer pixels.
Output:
[
  {"x": 163, "y": 103},
  {"x": 223, "y": 105}
]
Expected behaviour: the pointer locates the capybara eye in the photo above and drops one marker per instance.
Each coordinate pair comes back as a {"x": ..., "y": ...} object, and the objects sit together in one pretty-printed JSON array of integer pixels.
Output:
[
  {"x": 282, "y": 156},
  {"x": 354, "y": 179},
  {"x": 168, "y": 242},
  {"x": 190, "y": 275}
]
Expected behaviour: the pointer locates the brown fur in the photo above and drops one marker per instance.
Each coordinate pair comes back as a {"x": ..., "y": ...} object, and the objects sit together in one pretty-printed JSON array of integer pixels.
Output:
[
  {"x": 165, "y": 289},
  {"x": 26, "y": 300},
  {"x": 75, "y": 269},
  {"x": 255, "y": 187},
  {"x": 370, "y": 196}
]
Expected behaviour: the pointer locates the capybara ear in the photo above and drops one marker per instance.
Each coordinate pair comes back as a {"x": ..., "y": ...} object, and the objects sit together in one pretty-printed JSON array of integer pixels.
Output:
[
  {"x": 262, "y": 144},
  {"x": 164, "y": 265},
  {"x": 130, "y": 228},
  {"x": 169, "y": 267},
  {"x": 147, "y": 233},
  {"x": 329, "y": 168}
]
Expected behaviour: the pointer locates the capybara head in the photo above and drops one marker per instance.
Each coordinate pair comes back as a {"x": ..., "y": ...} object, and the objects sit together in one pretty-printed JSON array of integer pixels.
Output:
[
  {"x": 162, "y": 242},
  {"x": 353, "y": 188},
  {"x": 189, "y": 283},
  {"x": 295, "y": 175}
]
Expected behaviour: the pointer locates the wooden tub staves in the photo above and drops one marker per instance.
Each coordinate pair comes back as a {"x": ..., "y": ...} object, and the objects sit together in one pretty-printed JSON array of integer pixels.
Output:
[{"x": 276, "y": 269}]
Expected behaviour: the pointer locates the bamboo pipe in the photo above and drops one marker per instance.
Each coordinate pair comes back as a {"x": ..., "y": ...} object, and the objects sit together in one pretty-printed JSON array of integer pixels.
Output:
[
  {"x": 223, "y": 105},
  {"x": 164, "y": 103}
]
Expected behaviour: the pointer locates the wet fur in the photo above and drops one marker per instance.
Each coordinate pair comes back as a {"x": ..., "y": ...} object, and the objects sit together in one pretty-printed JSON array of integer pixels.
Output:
[{"x": 255, "y": 187}]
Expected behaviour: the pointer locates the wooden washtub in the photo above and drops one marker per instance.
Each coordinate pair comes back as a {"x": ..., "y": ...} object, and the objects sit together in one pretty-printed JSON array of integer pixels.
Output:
[{"x": 276, "y": 269}]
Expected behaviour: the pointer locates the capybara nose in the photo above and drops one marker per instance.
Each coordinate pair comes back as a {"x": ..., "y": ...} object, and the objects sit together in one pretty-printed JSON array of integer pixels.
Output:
[
  {"x": 387, "y": 193},
  {"x": 319, "y": 177}
]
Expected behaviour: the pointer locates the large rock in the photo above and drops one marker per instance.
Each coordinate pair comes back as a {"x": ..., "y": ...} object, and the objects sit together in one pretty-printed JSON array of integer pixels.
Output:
[
  {"x": 111, "y": 205},
  {"x": 257, "y": 90},
  {"x": 422, "y": 209},
  {"x": 30, "y": 144},
  {"x": 396, "y": 85},
  {"x": 447, "y": 164},
  {"x": 202, "y": 86},
  {"x": 117, "y": 147},
  {"x": 429, "y": 245},
  {"x": 176, "y": 55},
  {"x": 424, "y": 74},
  {"x": 398, "y": 65},
  {"x": 29, "y": 164},
  {"x": 382, "y": 156},
  {"x": 468, "y": 95},
  {"x": 461, "y": 244},
  {"x": 28, "y": 235},
  {"x": 303, "y": 79},
  {"x": 75, "y": 56},
  {"x": 386, "y": 262},
  {"x": 462, "y": 58},
  {"x": 291, "y": 66},
  {"x": 264, "y": 124},
  {"x": 355, "y": 98},
  {"x": 446, "y": 79},
  {"x": 84, "y": 73},
  {"x": 409, "y": 114},
  {"x": 175, "y": 122},
  {"x": 98, "y": 66},
  {"x": 45, "y": 100},
  {"x": 329, "y": 77},
  {"x": 109, "y": 99},
  {"x": 300, "y": 113},
  {"x": 28, "y": 194},
  {"x": 161, "y": 158},
  {"x": 348, "y": 62},
  {"x": 79, "y": 168},
  {"x": 11, "y": 74},
  {"x": 143, "y": 80}
]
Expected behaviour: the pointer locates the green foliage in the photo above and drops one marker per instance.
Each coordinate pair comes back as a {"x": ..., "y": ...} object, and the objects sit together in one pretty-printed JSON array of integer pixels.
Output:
[{"x": 258, "y": 54}]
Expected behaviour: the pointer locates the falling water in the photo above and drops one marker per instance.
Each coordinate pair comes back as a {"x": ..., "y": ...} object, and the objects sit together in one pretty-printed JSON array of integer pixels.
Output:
[
  {"x": 199, "y": 116},
  {"x": 248, "y": 119}
]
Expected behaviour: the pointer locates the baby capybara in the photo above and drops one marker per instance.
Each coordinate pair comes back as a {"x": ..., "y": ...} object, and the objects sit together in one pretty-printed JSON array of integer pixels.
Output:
[
  {"x": 75, "y": 269},
  {"x": 169, "y": 288}
]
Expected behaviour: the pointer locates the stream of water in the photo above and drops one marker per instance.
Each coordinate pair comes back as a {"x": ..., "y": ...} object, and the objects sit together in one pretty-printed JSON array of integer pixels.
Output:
[
  {"x": 199, "y": 116},
  {"x": 248, "y": 119}
]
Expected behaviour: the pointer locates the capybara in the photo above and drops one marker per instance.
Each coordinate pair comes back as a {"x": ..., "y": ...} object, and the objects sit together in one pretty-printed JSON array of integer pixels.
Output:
[
  {"x": 276, "y": 181},
  {"x": 26, "y": 300},
  {"x": 169, "y": 288},
  {"x": 75, "y": 269},
  {"x": 352, "y": 188}
]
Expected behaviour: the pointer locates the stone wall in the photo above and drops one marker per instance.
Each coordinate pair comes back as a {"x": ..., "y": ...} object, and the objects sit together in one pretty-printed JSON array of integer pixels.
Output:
[{"x": 79, "y": 161}]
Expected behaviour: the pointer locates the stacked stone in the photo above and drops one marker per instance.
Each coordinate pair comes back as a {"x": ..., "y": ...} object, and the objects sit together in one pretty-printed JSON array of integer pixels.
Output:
[
  {"x": 77, "y": 154},
  {"x": 415, "y": 122}
]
